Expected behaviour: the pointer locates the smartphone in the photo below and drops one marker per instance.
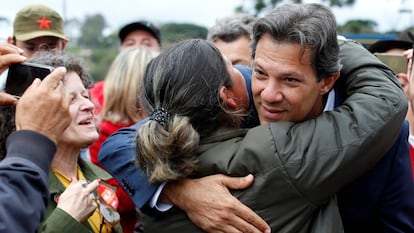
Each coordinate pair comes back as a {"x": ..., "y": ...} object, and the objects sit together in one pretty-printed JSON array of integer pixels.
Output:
[
  {"x": 397, "y": 63},
  {"x": 20, "y": 76}
]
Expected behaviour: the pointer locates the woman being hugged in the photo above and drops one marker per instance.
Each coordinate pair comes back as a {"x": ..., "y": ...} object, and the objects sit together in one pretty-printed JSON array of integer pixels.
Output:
[{"x": 76, "y": 186}]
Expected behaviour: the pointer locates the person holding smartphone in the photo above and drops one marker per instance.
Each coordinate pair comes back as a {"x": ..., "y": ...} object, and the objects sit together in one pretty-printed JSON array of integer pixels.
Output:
[
  {"x": 401, "y": 49},
  {"x": 77, "y": 187},
  {"x": 393, "y": 53},
  {"x": 36, "y": 27},
  {"x": 41, "y": 115}
]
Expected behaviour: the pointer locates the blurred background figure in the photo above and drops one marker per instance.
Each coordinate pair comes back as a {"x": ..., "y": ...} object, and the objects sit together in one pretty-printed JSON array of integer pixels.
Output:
[
  {"x": 232, "y": 37},
  {"x": 122, "y": 108},
  {"x": 122, "y": 89},
  {"x": 403, "y": 42},
  {"x": 398, "y": 46},
  {"x": 400, "y": 60},
  {"x": 140, "y": 42},
  {"x": 142, "y": 33},
  {"x": 36, "y": 27},
  {"x": 41, "y": 115}
]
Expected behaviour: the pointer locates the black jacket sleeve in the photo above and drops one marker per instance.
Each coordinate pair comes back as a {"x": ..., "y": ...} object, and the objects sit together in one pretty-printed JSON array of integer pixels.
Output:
[{"x": 24, "y": 181}]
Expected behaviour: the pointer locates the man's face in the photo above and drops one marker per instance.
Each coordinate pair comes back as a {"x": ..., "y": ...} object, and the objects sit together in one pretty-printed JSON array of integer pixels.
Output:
[
  {"x": 140, "y": 38},
  {"x": 284, "y": 83},
  {"x": 41, "y": 43},
  {"x": 237, "y": 51}
]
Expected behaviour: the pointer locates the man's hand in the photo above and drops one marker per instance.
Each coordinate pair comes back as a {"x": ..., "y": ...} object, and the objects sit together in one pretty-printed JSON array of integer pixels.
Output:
[
  {"x": 209, "y": 204},
  {"x": 10, "y": 54},
  {"x": 44, "y": 106}
]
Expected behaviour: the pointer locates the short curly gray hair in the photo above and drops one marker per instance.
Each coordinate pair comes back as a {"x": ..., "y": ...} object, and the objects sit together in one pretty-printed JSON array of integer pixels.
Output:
[
  {"x": 67, "y": 60},
  {"x": 230, "y": 29}
]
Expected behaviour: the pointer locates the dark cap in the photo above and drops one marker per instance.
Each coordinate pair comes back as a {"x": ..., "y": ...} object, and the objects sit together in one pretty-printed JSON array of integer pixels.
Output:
[
  {"x": 37, "y": 20},
  {"x": 140, "y": 25},
  {"x": 252, "y": 119},
  {"x": 404, "y": 41}
]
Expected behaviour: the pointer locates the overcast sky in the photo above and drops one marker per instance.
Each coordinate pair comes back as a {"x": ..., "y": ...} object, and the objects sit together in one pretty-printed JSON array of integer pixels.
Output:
[{"x": 200, "y": 12}]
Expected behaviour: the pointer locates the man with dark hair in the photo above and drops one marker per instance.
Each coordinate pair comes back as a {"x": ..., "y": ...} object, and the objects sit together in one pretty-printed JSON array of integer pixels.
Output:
[{"x": 141, "y": 33}]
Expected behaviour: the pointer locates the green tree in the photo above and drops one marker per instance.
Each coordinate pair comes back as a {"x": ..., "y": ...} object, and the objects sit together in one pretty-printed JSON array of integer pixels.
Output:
[
  {"x": 174, "y": 32},
  {"x": 101, "y": 60},
  {"x": 72, "y": 27},
  {"x": 97, "y": 49},
  {"x": 92, "y": 31},
  {"x": 358, "y": 26},
  {"x": 93, "y": 46},
  {"x": 264, "y": 5}
]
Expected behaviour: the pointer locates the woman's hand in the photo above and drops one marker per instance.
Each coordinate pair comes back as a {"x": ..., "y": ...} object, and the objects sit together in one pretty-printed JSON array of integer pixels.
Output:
[
  {"x": 78, "y": 199},
  {"x": 9, "y": 54}
]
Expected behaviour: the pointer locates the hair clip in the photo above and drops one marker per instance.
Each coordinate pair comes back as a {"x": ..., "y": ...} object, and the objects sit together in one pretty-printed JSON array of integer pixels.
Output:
[{"x": 161, "y": 116}]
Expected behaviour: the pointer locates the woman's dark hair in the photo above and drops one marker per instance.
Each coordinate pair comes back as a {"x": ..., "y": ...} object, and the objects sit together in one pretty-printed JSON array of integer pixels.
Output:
[
  {"x": 69, "y": 61},
  {"x": 181, "y": 95}
]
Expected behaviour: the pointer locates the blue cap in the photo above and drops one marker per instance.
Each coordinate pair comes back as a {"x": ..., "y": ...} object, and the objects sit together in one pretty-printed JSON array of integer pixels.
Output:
[{"x": 252, "y": 119}]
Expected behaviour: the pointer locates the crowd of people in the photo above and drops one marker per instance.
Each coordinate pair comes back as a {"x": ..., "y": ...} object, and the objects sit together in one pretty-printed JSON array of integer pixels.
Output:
[{"x": 267, "y": 125}]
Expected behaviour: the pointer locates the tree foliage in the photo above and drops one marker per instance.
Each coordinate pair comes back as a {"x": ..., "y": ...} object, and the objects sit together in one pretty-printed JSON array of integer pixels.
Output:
[
  {"x": 358, "y": 26},
  {"x": 93, "y": 46},
  {"x": 99, "y": 50},
  {"x": 260, "y": 6},
  {"x": 92, "y": 31},
  {"x": 174, "y": 32}
]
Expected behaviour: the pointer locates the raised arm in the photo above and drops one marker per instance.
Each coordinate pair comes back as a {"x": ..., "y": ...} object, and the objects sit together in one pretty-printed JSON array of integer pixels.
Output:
[{"x": 42, "y": 114}]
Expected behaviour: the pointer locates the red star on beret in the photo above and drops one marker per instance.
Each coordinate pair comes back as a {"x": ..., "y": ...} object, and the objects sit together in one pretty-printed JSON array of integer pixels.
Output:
[{"x": 44, "y": 23}]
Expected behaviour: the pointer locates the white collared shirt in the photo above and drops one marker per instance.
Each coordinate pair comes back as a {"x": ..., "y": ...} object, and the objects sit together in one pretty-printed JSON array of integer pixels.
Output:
[{"x": 330, "y": 102}]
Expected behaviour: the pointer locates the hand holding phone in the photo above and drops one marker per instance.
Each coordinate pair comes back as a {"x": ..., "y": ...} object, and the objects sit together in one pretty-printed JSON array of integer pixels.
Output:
[
  {"x": 397, "y": 62},
  {"x": 21, "y": 75}
]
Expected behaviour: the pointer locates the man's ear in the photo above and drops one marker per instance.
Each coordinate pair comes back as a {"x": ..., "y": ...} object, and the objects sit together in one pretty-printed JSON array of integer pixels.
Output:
[
  {"x": 64, "y": 44},
  {"x": 228, "y": 97},
  {"x": 328, "y": 83}
]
